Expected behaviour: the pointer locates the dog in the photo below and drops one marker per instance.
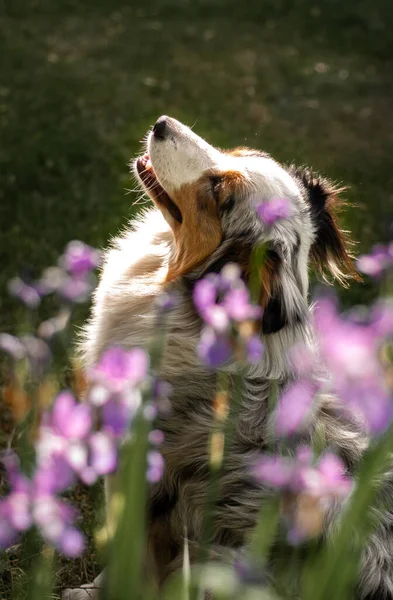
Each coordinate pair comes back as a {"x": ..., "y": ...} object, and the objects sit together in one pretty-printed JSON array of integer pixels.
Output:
[{"x": 203, "y": 218}]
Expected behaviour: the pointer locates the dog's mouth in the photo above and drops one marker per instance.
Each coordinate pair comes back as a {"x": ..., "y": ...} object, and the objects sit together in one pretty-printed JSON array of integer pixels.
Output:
[{"x": 154, "y": 188}]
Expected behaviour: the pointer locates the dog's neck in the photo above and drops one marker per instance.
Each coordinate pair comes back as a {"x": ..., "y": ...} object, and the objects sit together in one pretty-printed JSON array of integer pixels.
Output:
[{"x": 125, "y": 310}]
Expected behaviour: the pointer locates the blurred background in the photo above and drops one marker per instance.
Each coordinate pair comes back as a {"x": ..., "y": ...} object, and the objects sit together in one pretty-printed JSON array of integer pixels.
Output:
[{"x": 81, "y": 82}]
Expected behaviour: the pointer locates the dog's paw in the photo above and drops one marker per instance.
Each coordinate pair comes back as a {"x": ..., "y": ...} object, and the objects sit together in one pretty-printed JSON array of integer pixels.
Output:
[{"x": 90, "y": 591}]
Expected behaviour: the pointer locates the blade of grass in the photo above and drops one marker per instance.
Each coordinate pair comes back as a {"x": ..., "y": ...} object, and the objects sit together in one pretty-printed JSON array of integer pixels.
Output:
[
  {"x": 41, "y": 576},
  {"x": 129, "y": 544}
]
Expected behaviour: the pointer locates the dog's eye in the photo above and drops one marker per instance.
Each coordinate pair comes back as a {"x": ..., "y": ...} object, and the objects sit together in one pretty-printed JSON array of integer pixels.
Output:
[{"x": 215, "y": 187}]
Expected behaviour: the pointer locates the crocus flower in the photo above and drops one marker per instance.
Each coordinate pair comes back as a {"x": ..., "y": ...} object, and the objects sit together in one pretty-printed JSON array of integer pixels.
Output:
[
  {"x": 349, "y": 347},
  {"x": 55, "y": 518},
  {"x": 254, "y": 349},
  {"x": 238, "y": 306},
  {"x": 375, "y": 263},
  {"x": 205, "y": 294},
  {"x": 116, "y": 415},
  {"x": 119, "y": 368},
  {"x": 24, "y": 292},
  {"x": 79, "y": 258},
  {"x": 76, "y": 289},
  {"x": 214, "y": 349},
  {"x": 102, "y": 457},
  {"x": 155, "y": 467},
  {"x": 274, "y": 210},
  {"x": 293, "y": 407},
  {"x": 298, "y": 474},
  {"x": 12, "y": 345},
  {"x": 223, "y": 301},
  {"x": 32, "y": 501}
]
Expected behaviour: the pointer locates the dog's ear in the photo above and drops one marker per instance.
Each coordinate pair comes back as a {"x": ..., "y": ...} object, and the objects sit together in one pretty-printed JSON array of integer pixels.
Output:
[
  {"x": 330, "y": 251},
  {"x": 281, "y": 298}
]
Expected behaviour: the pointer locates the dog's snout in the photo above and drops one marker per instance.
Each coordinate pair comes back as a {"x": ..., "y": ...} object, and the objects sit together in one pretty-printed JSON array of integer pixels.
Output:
[{"x": 160, "y": 128}]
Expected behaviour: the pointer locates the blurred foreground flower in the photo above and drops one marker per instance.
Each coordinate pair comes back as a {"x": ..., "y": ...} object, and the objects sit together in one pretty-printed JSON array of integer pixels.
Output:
[
  {"x": 34, "y": 502},
  {"x": 223, "y": 302},
  {"x": 325, "y": 480},
  {"x": 379, "y": 260},
  {"x": 119, "y": 369},
  {"x": 79, "y": 258},
  {"x": 350, "y": 349},
  {"x": 274, "y": 210},
  {"x": 24, "y": 292},
  {"x": 294, "y": 407}
]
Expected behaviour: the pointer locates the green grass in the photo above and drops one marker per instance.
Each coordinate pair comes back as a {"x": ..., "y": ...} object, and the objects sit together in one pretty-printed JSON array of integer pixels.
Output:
[{"x": 80, "y": 84}]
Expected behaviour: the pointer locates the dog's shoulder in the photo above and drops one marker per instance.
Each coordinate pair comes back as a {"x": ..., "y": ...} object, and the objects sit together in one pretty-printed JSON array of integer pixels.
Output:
[{"x": 132, "y": 275}]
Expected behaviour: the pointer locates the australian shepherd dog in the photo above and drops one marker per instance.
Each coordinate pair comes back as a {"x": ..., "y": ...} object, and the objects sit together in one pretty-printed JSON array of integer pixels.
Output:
[{"x": 204, "y": 217}]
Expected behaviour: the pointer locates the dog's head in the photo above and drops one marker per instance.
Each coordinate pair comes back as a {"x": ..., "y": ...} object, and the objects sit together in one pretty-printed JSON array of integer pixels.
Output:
[{"x": 209, "y": 198}]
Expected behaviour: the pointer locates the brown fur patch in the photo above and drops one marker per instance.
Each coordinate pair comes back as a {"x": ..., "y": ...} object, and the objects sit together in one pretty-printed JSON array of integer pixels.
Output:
[
  {"x": 197, "y": 237},
  {"x": 199, "y": 234}
]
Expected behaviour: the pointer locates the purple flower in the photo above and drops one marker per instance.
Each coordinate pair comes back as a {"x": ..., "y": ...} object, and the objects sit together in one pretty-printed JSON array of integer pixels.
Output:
[
  {"x": 217, "y": 317},
  {"x": 254, "y": 349},
  {"x": 326, "y": 479},
  {"x": 71, "y": 542},
  {"x": 103, "y": 454},
  {"x": 12, "y": 345},
  {"x": 205, "y": 294},
  {"x": 349, "y": 348},
  {"x": 69, "y": 418},
  {"x": 382, "y": 318},
  {"x": 37, "y": 352},
  {"x": 119, "y": 368},
  {"x": 79, "y": 258},
  {"x": 53, "y": 475},
  {"x": 214, "y": 349},
  {"x": 223, "y": 301},
  {"x": 117, "y": 414},
  {"x": 293, "y": 407},
  {"x": 26, "y": 293},
  {"x": 31, "y": 501},
  {"x": 238, "y": 306},
  {"x": 156, "y": 437},
  {"x": 274, "y": 471},
  {"x": 375, "y": 263},
  {"x": 370, "y": 402},
  {"x": 155, "y": 466},
  {"x": 55, "y": 518},
  {"x": 76, "y": 289},
  {"x": 274, "y": 210}
]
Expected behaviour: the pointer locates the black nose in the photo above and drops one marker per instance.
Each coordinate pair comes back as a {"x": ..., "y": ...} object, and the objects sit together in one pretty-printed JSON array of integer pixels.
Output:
[{"x": 159, "y": 128}]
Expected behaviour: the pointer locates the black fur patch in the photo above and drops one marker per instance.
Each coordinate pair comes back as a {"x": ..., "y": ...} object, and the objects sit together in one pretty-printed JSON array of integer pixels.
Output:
[
  {"x": 274, "y": 317},
  {"x": 162, "y": 505},
  {"x": 329, "y": 251},
  {"x": 228, "y": 204}
]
